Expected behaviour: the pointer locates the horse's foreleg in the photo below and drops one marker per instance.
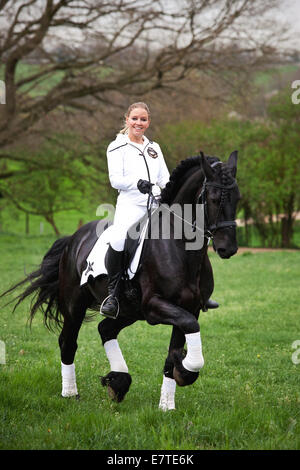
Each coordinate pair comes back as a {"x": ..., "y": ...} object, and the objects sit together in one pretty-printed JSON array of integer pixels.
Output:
[
  {"x": 185, "y": 371},
  {"x": 168, "y": 388},
  {"x": 68, "y": 346},
  {"x": 118, "y": 380}
]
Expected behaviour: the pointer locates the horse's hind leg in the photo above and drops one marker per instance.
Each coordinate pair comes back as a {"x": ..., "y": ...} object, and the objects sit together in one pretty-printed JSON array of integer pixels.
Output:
[
  {"x": 73, "y": 317},
  {"x": 168, "y": 388},
  {"x": 118, "y": 380}
]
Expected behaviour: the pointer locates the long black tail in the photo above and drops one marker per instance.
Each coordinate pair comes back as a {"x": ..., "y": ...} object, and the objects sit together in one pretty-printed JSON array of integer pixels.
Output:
[{"x": 44, "y": 285}]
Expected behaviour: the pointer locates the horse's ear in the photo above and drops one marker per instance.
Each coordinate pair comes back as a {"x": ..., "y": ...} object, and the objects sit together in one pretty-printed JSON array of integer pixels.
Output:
[
  {"x": 208, "y": 171},
  {"x": 232, "y": 162}
]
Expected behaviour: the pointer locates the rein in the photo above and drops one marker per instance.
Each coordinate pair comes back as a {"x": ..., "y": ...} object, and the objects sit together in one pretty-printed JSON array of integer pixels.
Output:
[
  {"x": 209, "y": 228},
  {"x": 193, "y": 225},
  {"x": 142, "y": 154}
]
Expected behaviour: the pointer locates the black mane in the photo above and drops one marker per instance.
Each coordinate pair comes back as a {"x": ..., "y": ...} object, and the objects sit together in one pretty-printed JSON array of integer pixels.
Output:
[{"x": 175, "y": 181}]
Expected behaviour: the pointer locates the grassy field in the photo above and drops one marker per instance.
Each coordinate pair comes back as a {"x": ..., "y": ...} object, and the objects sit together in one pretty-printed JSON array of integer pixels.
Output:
[{"x": 247, "y": 395}]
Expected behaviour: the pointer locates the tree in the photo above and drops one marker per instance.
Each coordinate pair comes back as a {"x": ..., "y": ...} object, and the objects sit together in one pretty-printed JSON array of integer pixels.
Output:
[
  {"x": 285, "y": 145},
  {"x": 45, "y": 192},
  {"x": 127, "y": 46},
  {"x": 268, "y": 168}
]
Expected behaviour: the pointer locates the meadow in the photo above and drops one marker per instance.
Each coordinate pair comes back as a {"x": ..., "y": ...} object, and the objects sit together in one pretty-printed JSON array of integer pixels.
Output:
[{"x": 247, "y": 395}]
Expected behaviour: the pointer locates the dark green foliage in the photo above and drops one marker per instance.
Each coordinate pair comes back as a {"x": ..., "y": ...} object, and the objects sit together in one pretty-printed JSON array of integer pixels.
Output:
[{"x": 268, "y": 164}]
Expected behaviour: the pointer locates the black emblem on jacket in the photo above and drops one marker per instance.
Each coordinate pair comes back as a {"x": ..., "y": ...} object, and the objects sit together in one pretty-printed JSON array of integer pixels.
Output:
[{"x": 152, "y": 153}]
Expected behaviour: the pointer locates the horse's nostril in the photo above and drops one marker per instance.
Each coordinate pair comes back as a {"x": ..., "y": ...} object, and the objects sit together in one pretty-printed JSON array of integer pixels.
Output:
[
  {"x": 221, "y": 251},
  {"x": 225, "y": 253}
]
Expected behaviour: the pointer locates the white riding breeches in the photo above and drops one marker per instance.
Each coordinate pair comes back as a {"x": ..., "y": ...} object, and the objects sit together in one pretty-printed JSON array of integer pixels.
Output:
[{"x": 125, "y": 216}]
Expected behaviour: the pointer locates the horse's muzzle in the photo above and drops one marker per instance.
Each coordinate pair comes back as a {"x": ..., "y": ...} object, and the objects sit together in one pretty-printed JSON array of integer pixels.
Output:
[
  {"x": 226, "y": 253},
  {"x": 224, "y": 248}
]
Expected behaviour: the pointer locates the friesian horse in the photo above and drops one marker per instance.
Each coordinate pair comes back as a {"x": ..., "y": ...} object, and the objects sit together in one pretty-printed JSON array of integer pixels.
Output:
[{"x": 171, "y": 286}]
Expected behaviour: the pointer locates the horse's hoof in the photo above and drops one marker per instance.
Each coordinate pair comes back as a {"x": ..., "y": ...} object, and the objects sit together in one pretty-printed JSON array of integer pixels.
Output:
[
  {"x": 77, "y": 396},
  {"x": 177, "y": 377},
  {"x": 117, "y": 384},
  {"x": 184, "y": 377},
  {"x": 181, "y": 375}
]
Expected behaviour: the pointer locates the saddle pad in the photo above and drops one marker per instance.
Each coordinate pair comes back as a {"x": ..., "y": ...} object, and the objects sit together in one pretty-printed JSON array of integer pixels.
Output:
[{"x": 95, "y": 260}]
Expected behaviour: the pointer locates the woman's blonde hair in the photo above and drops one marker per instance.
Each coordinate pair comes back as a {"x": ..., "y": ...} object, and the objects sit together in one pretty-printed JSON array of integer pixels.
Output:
[{"x": 140, "y": 104}]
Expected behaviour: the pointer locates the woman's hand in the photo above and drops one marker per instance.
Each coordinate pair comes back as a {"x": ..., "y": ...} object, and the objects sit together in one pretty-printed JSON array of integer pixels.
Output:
[{"x": 144, "y": 186}]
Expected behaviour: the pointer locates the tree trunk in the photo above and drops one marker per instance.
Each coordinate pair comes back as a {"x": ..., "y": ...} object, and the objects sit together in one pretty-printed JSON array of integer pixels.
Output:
[
  {"x": 51, "y": 221},
  {"x": 286, "y": 232},
  {"x": 262, "y": 232},
  {"x": 287, "y": 223}
]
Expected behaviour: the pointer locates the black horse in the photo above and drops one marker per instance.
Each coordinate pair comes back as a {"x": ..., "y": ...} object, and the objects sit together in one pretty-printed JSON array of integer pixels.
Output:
[{"x": 171, "y": 286}]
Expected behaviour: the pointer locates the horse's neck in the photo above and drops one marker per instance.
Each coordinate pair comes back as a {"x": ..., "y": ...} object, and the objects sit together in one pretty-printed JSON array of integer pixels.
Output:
[
  {"x": 188, "y": 191},
  {"x": 185, "y": 196}
]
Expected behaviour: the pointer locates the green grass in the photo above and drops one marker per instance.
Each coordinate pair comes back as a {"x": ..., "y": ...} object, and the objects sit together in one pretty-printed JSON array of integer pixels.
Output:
[{"x": 247, "y": 395}]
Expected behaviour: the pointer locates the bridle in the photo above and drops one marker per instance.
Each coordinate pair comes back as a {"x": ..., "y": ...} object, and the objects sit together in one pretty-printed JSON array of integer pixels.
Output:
[{"x": 211, "y": 228}]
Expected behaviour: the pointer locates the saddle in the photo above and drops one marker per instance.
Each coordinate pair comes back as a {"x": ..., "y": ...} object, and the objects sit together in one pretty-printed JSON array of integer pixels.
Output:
[{"x": 95, "y": 262}]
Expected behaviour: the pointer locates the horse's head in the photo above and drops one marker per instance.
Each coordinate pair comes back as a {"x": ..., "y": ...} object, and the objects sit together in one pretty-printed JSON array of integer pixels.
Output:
[{"x": 220, "y": 195}]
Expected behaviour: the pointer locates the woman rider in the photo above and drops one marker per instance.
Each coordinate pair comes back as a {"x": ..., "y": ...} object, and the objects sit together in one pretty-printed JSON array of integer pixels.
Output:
[{"x": 136, "y": 167}]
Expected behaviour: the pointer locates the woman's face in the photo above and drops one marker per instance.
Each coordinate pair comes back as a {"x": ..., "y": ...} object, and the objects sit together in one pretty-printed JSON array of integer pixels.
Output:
[{"x": 137, "y": 122}]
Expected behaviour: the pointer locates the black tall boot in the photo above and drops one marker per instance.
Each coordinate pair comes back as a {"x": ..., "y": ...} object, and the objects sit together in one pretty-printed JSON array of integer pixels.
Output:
[
  {"x": 211, "y": 304},
  {"x": 114, "y": 266}
]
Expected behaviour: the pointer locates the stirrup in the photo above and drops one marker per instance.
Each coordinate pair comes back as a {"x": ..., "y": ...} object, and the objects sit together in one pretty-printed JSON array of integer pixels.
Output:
[{"x": 109, "y": 315}]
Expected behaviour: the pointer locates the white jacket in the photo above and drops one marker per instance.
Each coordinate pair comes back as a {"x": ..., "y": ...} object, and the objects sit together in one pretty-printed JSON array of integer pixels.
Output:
[{"x": 126, "y": 165}]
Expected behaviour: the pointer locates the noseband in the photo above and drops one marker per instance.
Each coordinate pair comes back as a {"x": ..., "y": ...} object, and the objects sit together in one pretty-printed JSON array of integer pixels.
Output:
[{"x": 210, "y": 229}]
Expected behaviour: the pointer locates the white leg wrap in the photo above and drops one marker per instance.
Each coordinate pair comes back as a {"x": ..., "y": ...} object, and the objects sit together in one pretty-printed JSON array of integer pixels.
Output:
[
  {"x": 115, "y": 356},
  {"x": 194, "y": 360},
  {"x": 69, "y": 387},
  {"x": 167, "y": 394}
]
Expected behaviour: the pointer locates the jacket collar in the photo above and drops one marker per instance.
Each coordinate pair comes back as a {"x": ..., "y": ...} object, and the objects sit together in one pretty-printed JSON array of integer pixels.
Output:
[{"x": 145, "y": 143}]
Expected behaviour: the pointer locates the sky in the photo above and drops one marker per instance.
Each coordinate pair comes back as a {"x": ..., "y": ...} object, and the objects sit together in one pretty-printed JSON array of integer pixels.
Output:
[{"x": 289, "y": 11}]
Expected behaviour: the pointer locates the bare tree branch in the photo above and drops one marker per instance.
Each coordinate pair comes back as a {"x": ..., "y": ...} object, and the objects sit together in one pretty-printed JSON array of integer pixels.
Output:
[{"x": 119, "y": 46}]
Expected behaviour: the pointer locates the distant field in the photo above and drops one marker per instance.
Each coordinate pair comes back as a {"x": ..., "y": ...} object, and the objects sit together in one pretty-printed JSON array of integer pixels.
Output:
[
  {"x": 247, "y": 395},
  {"x": 45, "y": 83},
  {"x": 273, "y": 74}
]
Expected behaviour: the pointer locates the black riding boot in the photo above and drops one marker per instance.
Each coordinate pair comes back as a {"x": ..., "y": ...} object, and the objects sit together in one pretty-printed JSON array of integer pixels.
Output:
[
  {"x": 211, "y": 304},
  {"x": 114, "y": 265}
]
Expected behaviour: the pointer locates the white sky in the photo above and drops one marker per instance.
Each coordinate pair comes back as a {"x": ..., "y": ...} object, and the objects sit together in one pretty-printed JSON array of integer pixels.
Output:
[{"x": 290, "y": 12}]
